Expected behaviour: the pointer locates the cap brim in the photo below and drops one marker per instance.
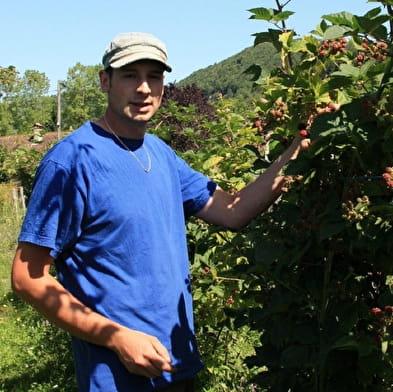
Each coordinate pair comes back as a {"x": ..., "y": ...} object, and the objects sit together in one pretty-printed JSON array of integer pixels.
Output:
[{"x": 132, "y": 58}]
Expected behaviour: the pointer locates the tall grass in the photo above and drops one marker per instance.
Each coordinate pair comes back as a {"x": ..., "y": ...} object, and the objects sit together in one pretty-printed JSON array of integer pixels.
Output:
[{"x": 10, "y": 218}]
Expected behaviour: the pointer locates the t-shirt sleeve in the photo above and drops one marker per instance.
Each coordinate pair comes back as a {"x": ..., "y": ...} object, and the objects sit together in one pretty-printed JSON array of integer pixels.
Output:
[
  {"x": 197, "y": 189},
  {"x": 55, "y": 209}
]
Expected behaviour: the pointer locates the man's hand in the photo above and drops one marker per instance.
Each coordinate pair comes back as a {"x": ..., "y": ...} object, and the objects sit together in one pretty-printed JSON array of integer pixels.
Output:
[
  {"x": 298, "y": 144},
  {"x": 142, "y": 354}
]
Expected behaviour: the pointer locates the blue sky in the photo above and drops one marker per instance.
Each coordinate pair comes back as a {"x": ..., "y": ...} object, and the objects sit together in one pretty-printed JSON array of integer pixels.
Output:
[{"x": 51, "y": 36}]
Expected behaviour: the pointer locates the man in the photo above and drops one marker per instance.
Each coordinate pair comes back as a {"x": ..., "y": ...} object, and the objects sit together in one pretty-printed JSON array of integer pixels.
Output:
[{"x": 108, "y": 207}]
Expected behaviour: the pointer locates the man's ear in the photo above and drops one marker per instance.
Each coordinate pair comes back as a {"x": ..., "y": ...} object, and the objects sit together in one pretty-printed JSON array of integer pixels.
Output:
[{"x": 104, "y": 80}]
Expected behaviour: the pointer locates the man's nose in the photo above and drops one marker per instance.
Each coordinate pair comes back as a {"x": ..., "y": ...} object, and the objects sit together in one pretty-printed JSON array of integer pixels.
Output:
[{"x": 144, "y": 87}]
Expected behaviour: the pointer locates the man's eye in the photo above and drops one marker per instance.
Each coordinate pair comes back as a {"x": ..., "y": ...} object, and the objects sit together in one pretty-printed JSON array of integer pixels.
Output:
[{"x": 156, "y": 76}]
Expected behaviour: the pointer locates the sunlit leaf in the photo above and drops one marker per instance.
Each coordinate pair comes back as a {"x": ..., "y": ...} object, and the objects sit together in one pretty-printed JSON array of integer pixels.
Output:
[
  {"x": 262, "y": 13},
  {"x": 281, "y": 16},
  {"x": 334, "y": 32},
  {"x": 343, "y": 19}
]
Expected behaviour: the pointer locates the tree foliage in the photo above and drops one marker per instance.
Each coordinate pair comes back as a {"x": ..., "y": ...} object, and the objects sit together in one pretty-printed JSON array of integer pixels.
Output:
[
  {"x": 183, "y": 118},
  {"x": 82, "y": 97},
  {"x": 24, "y": 100}
]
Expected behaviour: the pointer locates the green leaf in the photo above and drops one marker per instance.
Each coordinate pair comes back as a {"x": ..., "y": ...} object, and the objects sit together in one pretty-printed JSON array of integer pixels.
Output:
[
  {"x": 286, "y": 38},
  {"x": 326, "y": 124},
  {"x": 255, "y": 72},
  {"x": 321, "y": 28},
  {"x": 337, "y": 81},
  {"x": 269, "y": 14},
  {"x": 334, "y": 32},
  {"x": 373, "y": 26},
  {"x": 348, "y": 70},
  {"x": 271, "y": 36},
  {"x": 343, "y": 19},
  {"x": 389, "y": 282},
  {"x": 213, "y": 161},
  {"x": 298, "y": 46},
  {"x": 373, "y": 13},
  {"x": 346, "y": 343},
  {"x": 217, "y": 290},
  {"x": 262, "y": 13},
  {"x": 284, "y": 15}
]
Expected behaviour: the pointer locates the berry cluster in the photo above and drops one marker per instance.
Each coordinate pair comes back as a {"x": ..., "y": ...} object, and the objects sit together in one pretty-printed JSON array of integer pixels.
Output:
[
  {"x": 387, "y": 177},
  {"x": 332, "y": 47},
  {"x": 376, "y": 50},
  {"x": 275, "y": 114},
  {"x": 278, "y": 110},
  {"x": 326, "y": 108},
  {"x": 355, "y": 213},
  {"x": 383, "y": 321},
  {"x": 378, "y": 312},
  {"x": 289, "y": 181}
]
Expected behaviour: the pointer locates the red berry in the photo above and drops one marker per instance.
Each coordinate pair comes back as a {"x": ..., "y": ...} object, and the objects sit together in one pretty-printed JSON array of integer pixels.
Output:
[
  {"x": 206, "y": 270},
  {"x": 388, "y": 309},
  {"x": 303, "y": 133},
  {"x": 333, "y": 106},
  {"x": 322, "y": 53},
  {"x": 376, "y": 312}
]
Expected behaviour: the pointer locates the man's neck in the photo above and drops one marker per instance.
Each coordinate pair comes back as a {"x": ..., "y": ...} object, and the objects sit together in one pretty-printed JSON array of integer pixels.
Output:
[{"x": 130, "y": 129}]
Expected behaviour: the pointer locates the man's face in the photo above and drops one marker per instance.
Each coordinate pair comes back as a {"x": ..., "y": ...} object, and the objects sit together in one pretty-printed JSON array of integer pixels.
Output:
[{"x": 135, "y": 90}]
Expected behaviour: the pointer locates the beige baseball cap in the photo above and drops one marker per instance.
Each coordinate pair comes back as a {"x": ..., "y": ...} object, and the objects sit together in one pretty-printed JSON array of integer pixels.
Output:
[{"x": 127, "y": 48}]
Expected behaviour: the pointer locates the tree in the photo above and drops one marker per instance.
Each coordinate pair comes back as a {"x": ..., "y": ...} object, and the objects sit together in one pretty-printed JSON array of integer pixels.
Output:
[
  {"x": 82, "y": 97},
  {"x": 31, "y": 104},
  {"x": 24, "y": 100}
]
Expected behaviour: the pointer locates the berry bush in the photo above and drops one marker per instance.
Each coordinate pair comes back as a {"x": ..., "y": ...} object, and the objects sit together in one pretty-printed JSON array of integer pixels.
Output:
[{"x": 320, "y": 273}]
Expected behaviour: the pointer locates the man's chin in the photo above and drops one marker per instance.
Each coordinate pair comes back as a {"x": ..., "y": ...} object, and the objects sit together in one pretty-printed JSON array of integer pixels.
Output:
[{"x": 141, "y": 122}]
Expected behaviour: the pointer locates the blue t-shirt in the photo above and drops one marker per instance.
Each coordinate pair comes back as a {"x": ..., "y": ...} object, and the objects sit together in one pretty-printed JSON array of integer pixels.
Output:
[{"x": 118, "y": 238}]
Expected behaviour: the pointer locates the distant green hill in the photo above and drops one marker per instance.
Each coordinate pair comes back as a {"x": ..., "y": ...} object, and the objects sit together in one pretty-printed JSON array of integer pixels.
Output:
[{"x": 228, "y": 77}]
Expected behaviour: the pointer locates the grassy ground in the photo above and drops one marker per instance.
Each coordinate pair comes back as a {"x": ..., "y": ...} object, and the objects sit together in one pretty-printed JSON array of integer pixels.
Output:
[{"x": 34, "y": 355}]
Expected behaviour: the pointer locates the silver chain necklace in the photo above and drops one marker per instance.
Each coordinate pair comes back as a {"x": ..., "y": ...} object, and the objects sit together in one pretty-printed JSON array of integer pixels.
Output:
[{"x": 145, "y": 169}]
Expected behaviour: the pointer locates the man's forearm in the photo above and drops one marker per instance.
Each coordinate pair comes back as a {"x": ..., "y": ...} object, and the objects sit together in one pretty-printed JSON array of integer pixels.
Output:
[
  {"x": 235, "y": 211},
  {"x": 140, "y": 353},
  {"x": 49, "y": 298}
]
